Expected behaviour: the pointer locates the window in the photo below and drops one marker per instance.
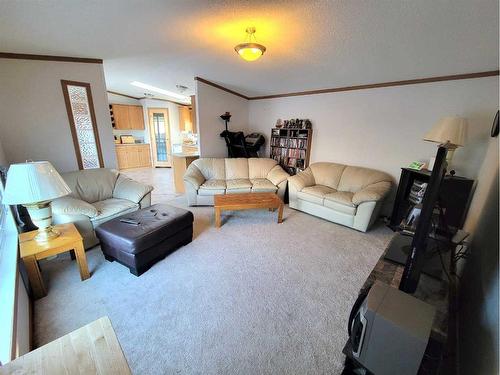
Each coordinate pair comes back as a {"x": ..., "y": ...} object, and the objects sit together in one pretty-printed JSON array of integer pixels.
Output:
[
  {"x": 82, "y": 121},
  {"x": 8, "y": 274}
]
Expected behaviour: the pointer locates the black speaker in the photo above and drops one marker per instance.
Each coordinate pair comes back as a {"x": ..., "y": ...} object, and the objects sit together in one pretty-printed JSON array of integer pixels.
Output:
[{"x": 454, "y": 198}]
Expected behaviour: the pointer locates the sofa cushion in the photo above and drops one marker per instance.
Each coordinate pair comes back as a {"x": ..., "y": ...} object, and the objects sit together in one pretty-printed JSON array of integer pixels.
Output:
[
  {"x": 240, "y": 183},
  {"x": 314, "y": 194},
  {"x": 340, "y": 201},
  {"x": 211, "y": 168},
  {"x": 236, "y": 168},
  {"x": 356, "y": 178},
  {"x": 277, "y": 175},
  {"x": 212, "y": 187},
  {"x": 263, "y": 185},
  {"x": 213, "y": 184},
  {"x": 327, "y": 174},
  {"x": 72, "y": 206},
  {"x": 210, "y": 192},
  {"x": 126, "y": 188},
  {"x": 91, "y": 185},
  {"x": 259, "y": 168},
  {"x": 110, "y": 208}
]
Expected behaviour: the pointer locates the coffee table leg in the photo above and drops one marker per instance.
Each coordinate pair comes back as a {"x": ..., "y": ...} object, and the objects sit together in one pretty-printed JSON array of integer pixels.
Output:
[
  {"x": 217, "y": 217},
  {"x": 35, "y": 277},
  {"x": 82, "y": 261},
  {"x": 280, "y": 213}
]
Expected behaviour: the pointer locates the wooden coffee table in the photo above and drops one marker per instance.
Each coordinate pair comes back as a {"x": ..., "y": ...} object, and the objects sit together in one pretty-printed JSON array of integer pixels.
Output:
[{"x": 247, "y": 201}]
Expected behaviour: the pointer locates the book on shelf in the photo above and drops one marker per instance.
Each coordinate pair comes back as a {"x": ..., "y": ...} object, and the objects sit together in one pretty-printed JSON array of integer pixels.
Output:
[{"x": 290, "y": 147}]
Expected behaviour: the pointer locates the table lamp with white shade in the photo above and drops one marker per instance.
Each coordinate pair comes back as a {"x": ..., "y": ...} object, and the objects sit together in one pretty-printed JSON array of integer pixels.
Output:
[
  {"x": 449, "y": 132},
  {"x": 35, "y": 185}
]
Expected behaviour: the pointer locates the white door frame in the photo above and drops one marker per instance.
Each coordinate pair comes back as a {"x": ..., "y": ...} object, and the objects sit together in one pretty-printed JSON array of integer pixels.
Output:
[{"x": 152, "y": 137}]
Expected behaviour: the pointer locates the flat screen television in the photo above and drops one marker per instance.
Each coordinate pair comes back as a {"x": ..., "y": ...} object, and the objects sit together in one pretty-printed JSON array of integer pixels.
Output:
[{"x": 417, "y": 256}]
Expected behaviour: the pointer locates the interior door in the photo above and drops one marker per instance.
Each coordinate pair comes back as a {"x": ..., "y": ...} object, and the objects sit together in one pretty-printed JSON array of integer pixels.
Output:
[{"x": 159, "y": 130}]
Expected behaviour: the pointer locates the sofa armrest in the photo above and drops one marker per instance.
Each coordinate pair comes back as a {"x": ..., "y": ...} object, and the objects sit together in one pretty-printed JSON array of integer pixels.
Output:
[
  {"x": 73, "y": 206},
  {"x": 277, "y": 175},
  {"x": 126, "y": 188},
  {"x": 301, "y": 180},
  {"x": 372, "y": 193},
  {"x": 194, "y": 177}
]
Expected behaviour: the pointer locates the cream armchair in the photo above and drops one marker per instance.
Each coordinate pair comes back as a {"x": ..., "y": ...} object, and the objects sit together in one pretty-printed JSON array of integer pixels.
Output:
[
  {"x": 98, "y": 195},
  {"x": 207, "y": 177},
  {"x": 347, "y": 195}
]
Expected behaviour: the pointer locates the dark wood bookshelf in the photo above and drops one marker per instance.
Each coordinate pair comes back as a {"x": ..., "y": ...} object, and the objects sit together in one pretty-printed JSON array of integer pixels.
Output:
[{"x": 291, "y": 148}]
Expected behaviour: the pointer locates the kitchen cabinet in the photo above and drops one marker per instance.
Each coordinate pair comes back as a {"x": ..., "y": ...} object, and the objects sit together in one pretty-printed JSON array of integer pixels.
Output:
[
  {"x": 127, "y": 117},
  {"x": 136, "y": 116},
  {"x": 120, "y": 116},
  {"x": 133, "y": 156},
  {"x": 187, "y": 118}
]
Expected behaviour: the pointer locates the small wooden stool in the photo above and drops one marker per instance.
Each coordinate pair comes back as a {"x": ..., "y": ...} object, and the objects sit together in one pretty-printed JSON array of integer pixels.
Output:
[{"x": 32, "y": 251}]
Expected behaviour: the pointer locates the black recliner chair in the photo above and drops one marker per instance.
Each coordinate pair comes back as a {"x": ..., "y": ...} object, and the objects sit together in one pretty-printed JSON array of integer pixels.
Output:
[{"x": 241, "y": 146}]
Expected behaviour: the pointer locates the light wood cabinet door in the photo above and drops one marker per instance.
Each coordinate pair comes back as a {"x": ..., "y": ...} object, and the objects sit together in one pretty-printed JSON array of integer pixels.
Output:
[
  {"x": 184, "y": 119},
  {"x": 136, "y": 117},
  {"x": 133, "y": 156},
  {"x": 121, "y": 157},
  {"x": 187, "y": 119},
  {"x": 145, "y": 156},
  {"x": 121, "y": 116}
]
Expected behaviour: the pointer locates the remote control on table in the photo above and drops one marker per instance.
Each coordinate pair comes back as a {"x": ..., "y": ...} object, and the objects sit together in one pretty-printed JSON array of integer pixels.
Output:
[{"x": 130, "y": 221}]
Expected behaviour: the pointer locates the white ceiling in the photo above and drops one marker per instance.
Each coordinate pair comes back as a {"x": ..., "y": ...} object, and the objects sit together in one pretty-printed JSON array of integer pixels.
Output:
[{"x": 310, "y": 44}]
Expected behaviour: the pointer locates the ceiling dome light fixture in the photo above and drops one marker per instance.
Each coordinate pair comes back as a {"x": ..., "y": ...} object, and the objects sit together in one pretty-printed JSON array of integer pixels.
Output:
[{"x": 250, "y": 50}]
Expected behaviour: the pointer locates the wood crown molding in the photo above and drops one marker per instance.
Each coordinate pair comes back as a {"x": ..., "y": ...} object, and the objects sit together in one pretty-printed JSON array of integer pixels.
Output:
[
  {"x": 124, "y": 95},
  {"x": 25, "y": 56},
  {"x": 210, "y": 83},
  {"x": 144, "y": 97},
  {"x": 453, "y": 77}
]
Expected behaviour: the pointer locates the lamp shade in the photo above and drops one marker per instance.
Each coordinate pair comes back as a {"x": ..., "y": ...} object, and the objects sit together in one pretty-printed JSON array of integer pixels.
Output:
[
  {"x": 451, "y": 130},
  {"x": 33, "y": 182}
]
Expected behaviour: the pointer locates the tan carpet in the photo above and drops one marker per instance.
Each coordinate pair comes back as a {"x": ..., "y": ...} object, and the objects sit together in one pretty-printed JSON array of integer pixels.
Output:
[{"x": 253, "y": 297}]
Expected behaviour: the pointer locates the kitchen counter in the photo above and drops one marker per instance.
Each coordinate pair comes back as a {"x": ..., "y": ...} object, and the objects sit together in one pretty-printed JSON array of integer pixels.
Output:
[
  {"x": 185, "y": 154},
  {"x": 131, "y": 144},
  {"x": 180, "y": 162}
]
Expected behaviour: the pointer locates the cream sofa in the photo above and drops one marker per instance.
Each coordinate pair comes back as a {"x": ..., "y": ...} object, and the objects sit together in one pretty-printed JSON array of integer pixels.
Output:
[
  {"x": 351, "y": 196},
  {"x": 207, "y": 177},
  {"x": 98, "y": 195}
]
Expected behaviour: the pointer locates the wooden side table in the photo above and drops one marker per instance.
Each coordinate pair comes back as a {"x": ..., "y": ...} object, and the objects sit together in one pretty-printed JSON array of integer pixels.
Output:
[
  {"x": 91, "y": 349},
  {"x": 32, "y": 251}
]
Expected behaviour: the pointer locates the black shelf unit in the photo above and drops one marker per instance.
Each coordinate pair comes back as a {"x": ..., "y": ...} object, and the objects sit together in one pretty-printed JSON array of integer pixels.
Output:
[
  {"x": 454, "y": 197},
  {"x": 291, "y": 148}
]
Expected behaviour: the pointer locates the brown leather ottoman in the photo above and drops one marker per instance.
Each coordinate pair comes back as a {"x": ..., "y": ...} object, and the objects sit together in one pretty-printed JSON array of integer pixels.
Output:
[{"x": 162, "y": 230}]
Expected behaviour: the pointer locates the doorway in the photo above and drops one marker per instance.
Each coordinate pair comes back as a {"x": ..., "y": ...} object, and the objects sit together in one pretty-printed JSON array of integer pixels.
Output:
[{"x": 159, "y": 131}]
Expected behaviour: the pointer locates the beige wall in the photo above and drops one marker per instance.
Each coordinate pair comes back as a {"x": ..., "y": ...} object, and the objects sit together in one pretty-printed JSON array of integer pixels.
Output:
[
  {"x": 487, "y": 178},
  {"x": 3, "y": 159},
  {"x": 210, "y": 104},
  {"x": 383, "y": 128},
  {"x": 34, "y": 122}
]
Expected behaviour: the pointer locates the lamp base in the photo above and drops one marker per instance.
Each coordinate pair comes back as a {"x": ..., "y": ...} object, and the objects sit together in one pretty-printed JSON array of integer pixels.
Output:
[
  {"x": 46, "y": 234},
  {"x": 41, "y": 215}
]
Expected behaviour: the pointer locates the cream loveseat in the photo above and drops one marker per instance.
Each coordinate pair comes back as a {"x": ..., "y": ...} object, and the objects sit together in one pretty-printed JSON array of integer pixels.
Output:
[
  {"x": 98, "y": 195},
  {"x": 207, "y": 177},
  {"x": 350, "y": 196}
]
